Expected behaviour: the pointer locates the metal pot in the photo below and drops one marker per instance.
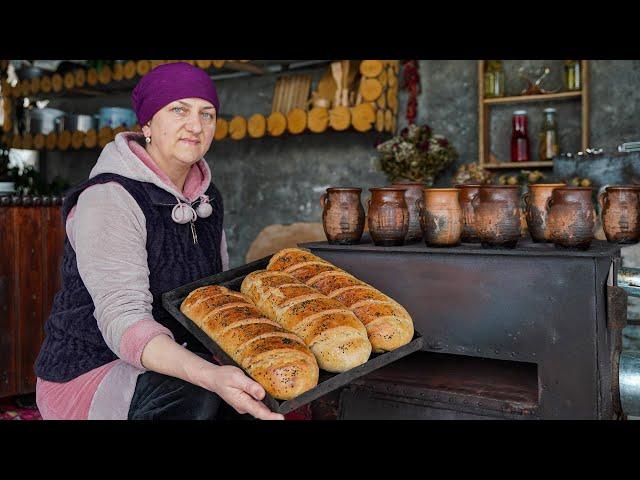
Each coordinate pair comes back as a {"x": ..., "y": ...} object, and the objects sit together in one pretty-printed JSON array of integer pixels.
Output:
[
  {"x": 76, "y": 122},
  {"x": 43, "y": 120},
  {"x": 114, "y": 117},
  {"x": 27, "y": 73},
  {"x": 7, "y": 188}
]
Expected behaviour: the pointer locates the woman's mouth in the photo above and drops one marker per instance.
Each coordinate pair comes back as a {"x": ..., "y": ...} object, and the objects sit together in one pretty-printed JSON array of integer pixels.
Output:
[{"x": 189, "y": 141}]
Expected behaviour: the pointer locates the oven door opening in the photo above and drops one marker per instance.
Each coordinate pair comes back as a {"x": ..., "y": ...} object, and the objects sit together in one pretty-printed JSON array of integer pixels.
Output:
[{"x": 428, "y": 385}]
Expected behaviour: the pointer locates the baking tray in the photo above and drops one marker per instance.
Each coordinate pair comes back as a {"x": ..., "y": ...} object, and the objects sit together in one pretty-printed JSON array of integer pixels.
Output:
[{"x": 327, "y": 381}]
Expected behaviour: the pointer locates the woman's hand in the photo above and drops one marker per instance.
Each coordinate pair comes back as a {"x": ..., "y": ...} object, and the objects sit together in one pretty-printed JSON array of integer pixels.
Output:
[
  {"x": 163, "y": 355},
  {"x": 239, "y": 391}
]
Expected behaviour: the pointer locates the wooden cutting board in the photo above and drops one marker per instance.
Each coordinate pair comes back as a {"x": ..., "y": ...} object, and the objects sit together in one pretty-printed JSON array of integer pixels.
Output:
[{"x": 291, "y": 91}]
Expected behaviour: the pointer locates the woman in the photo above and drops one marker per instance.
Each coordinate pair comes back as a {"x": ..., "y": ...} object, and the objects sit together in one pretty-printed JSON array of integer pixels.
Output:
[{"x": 147, "y": 220}]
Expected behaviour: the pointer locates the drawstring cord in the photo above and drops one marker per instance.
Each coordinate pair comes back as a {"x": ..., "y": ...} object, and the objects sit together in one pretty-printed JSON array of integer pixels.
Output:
[{"x": 185, "y": 213}]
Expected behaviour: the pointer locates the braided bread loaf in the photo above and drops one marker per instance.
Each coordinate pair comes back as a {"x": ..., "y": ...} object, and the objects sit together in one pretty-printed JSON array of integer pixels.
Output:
[
  {"x": 333, "y": 333},
  {"x": 388, "y": 324},
  {"x": 278, "y": 360}
]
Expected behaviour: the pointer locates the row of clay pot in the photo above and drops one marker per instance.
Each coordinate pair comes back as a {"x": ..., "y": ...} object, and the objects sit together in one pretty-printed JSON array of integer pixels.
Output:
[
  {"x": 554, "y": 212},
  {"x": 488, "y": 214},
  {"x": 394, "y": 214},
  {"x": 565, "y": 215}
]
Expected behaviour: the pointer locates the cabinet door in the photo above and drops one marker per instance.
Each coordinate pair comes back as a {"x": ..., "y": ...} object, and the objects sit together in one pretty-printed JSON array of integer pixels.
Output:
[
  {"x": 30, "y": 275},
  {"x": 8, "y": 318}
]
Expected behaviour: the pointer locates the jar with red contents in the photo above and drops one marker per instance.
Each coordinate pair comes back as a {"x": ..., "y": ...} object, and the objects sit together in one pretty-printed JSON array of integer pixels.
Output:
[{"x": 520, "y": 151}]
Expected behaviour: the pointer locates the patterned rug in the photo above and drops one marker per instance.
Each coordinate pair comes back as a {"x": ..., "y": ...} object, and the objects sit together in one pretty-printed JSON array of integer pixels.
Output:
[{"x": 10, "y": 411}]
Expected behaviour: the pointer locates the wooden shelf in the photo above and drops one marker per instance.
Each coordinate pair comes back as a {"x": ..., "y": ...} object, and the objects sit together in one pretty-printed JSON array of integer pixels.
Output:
[
  {"x": 230, "y": 69},
  {"x": 378, "y": 113},
  {"x": 518, "y": 165},
  {"x": 80, "y": 144},
  {"x": 533, "y": 98},
  {"x": 485, "y": 158}
]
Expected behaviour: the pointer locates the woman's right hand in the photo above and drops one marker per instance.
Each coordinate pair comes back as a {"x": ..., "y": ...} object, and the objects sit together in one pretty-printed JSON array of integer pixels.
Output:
[{"x": 239, "y": 391}]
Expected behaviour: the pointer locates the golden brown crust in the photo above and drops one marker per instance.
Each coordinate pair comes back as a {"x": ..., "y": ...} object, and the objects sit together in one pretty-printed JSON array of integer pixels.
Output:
[
  {"x": 354, "y": 294},
  {"x": 227, "y": 315},
  {"x": 207, "y": 293},
  {"x": 278, "y": 360},
  {"x": 305, "y": 270},
  {"x": 290, "y": 256},
  {"x": 388, "y": 324},
  {"x": 315, "y": 328},
  {"x": 328, "y": 282},
  {"x": 335, "y": 335}
]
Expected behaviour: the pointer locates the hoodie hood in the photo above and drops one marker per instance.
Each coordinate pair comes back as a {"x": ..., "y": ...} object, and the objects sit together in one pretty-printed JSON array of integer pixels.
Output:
[{"x": 127, "y": 157}]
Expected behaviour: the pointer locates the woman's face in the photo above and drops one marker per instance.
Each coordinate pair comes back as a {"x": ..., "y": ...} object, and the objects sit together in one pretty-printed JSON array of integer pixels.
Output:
[{"x": 182, "y": 131}]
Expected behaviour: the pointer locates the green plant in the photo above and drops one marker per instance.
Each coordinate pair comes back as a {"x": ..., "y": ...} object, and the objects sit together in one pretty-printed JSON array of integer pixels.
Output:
[
  {"x": 416, "y": 154},
  {"x": 31, "y": 182}
]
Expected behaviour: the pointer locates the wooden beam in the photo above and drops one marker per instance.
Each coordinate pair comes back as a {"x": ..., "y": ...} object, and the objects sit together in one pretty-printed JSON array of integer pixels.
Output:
[{"x": 245, "y": 67}]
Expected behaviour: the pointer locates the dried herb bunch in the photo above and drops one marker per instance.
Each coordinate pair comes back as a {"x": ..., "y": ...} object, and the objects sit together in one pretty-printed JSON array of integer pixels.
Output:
[
  {"x": 523, "y": 178},
  {"x": 472, "y": 173},
  {"x": 416, "y": 154}
]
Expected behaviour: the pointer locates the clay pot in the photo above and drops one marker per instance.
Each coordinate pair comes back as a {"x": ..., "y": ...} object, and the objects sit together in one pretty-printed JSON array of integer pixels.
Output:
[
  {"x": 388, "y": 216},
  {"x": 441, "y": 217},
  {"x": 467, "y": 193},
  {"x": 571, "y": 217},
  {"x": 620, "y": 207},
  {"x": 342, "y": 215},
  {"x": 535, "y": 201},
  {"x": 497, "y": 210},
  {"x": 413, "y": 197}
]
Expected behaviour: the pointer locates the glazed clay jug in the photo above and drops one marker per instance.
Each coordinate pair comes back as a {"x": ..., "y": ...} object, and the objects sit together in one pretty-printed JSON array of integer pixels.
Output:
[
  {"x": 497, "y": 210},
  {"x": 620, "y": 207},
  {"x": 342, "y": 215},
  {"x": 413, "y": 197},
  {"x": 388, "y": 216},
  {"x": 467, "y": 194},
  {"x": 571, "y": 217},
  {"x": 441, "y": 217},
  {"x": 535, "y": 201}
]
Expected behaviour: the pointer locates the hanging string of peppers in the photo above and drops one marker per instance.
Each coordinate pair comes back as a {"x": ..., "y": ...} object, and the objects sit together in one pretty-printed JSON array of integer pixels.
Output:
[{"x": 411, "y": 83}]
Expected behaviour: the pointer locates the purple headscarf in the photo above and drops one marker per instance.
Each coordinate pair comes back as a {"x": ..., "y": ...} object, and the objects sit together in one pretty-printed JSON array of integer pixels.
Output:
[{"x": 167, "y": 83}]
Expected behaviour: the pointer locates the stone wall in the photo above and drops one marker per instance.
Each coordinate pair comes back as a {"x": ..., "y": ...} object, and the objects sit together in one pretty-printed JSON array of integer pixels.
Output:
[{"x": 279, "y": 180}]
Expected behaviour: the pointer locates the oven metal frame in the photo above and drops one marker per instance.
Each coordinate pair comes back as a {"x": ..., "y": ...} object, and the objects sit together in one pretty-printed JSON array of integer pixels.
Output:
[{"x": 559, "y": 309}]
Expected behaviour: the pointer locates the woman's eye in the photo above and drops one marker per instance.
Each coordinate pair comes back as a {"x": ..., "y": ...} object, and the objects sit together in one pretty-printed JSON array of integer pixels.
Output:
[
  {"x": 178, "y": 109},
  {"x": 207, "y": 115}
]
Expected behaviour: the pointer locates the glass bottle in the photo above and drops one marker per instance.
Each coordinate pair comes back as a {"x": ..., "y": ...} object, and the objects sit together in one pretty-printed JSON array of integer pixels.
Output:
[
  {"x": 520, "y": 137},
  {"x": 548, "y": 145},
  {"x": 572, "y": 75},
  {"x": 494, "y": 79}
]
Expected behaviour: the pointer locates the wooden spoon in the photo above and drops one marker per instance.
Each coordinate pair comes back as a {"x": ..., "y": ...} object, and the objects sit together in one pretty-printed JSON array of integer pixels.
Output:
[
  {"x": 345, "y": 83},
  {"x": 336, "y": 70}
]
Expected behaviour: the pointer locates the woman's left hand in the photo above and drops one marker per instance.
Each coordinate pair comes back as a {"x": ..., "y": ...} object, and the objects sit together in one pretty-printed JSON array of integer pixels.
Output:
[
  {"x": 163, "y": 355},
  {"x": 240, "y": 391}
]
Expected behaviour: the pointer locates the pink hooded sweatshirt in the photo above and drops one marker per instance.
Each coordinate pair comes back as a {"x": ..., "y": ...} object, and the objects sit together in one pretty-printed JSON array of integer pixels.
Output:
[{"x": 107, "y": 231}]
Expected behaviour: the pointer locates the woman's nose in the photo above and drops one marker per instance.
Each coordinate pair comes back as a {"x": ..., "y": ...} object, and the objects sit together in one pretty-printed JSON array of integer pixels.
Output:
[{"x": 194, "y": 124}]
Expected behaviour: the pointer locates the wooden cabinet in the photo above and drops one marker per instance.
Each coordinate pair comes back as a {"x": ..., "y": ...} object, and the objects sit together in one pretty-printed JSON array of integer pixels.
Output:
[{"x": 32, "y": 239}]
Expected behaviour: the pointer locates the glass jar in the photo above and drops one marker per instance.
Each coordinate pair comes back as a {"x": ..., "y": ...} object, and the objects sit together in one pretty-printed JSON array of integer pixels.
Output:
[
  {"x": 572, "y": 75},
  {"x": 548, "y": 145},
  {"x": 520, "y": 137},
  {"x": 493, "y": 79}
]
